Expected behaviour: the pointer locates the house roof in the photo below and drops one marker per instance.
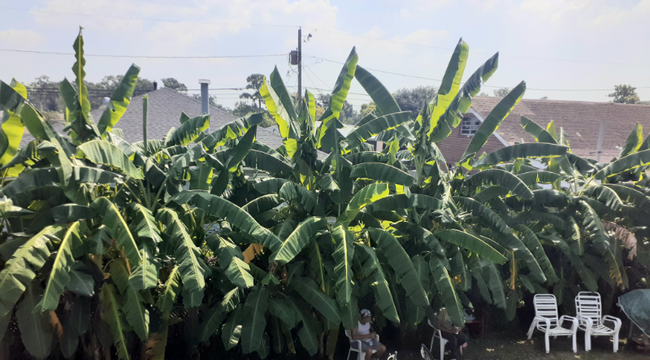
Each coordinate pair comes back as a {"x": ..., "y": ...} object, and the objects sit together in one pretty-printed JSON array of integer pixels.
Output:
[
  {"x": 164, "y": 112},
  {"x": 580, "y": 121}
]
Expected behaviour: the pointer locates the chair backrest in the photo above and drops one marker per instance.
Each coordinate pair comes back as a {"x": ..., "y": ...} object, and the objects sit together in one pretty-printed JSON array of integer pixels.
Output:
[
  {"x": 589, "y": 304},
  {"x": 348, "y": 333},
  {"x": 436, "y": 331},
  {"x": 546, "y": 307}
]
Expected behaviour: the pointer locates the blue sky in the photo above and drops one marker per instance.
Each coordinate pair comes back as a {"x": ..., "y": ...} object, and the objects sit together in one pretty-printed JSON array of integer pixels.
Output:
[{"x": 552, "y": 44}]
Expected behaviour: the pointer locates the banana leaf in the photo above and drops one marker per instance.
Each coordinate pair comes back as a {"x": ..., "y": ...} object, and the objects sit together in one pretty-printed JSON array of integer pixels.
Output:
[{"x": 520, "y": 151}]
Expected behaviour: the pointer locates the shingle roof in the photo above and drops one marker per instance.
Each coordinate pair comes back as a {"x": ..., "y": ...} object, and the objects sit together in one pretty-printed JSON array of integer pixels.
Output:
[
  {"x": 163, "y": 113},
  {"x": 580, "y": 121},
  {"x": 453, "y": 147}
]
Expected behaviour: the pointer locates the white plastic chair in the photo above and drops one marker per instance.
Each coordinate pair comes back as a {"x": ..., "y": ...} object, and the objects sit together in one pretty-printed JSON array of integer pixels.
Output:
[
  {"x": 546, "y": 320},
  {"x": 437, "y": 333},
  {"x": 591, "y": 320},
  {"x": 361, "y": 355}
]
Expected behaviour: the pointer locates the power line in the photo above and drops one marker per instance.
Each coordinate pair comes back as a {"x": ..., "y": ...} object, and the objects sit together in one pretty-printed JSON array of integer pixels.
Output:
[
  {"x": 147, "y": 19},
  {"x": 318, "y": 77},
  {"x": 377, "y": 70},
  {"x": 146, "y": 56},
  {"x": 489, "y": 86},
  {"x": 315, "y": 29},
  {"x": 328, "y": 90},
  {"x": 475, "y": 52}
]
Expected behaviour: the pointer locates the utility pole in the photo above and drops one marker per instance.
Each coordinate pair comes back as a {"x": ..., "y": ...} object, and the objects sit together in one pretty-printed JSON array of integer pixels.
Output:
[{"x": 299, "y": 64}]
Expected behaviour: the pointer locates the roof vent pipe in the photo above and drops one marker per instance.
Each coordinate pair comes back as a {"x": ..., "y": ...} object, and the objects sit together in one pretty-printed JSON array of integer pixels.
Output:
[
  {"x": 205, "y": 97},
  {"x": 155, "y": 86}
]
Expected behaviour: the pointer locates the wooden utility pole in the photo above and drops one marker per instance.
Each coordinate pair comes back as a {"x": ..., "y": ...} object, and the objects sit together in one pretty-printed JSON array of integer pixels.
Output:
[{"x": 299, "y": 64}]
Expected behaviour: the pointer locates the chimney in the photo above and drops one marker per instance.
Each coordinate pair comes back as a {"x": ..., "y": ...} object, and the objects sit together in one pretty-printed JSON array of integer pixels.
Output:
[
  {"x": 155, "y": 86},
  {"x": 205, "y": 97}
]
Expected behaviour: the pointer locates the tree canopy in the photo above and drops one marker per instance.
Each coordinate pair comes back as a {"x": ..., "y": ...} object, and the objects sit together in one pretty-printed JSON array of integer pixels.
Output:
[{"x": 625, "y": 94}]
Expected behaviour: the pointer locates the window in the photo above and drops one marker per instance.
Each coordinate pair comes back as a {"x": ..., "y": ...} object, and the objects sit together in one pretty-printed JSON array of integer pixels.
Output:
[{"x": 469, "y": 126}]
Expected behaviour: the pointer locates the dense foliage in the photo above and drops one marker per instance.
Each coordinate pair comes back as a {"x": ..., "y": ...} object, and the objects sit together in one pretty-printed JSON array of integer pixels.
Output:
[{"x": 208, "y": 243}]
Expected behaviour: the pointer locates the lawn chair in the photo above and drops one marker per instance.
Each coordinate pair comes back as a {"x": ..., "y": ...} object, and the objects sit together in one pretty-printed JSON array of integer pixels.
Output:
[
  {"x": 437, "y": 333},
  {"x": 591, "y": 320},
  {"x": 546, "y": 320},
  {"x": 361, "y": 355}
]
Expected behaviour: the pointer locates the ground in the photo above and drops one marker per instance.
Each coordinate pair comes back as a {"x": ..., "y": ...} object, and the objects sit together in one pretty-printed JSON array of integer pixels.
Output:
[{"x": 505, "y": 346}]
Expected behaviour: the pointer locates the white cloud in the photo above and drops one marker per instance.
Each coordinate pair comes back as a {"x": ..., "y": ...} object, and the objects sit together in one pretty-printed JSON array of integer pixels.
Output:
[
  {"x": 554, "y": 10},
  {"x": 484, "y": 5},
  {"x": 430, "y": 4},
  {"x": 422, "y": 36},
  {"x": 404, "y": 14},
  {"x": 21, "y": 38},
  {"x": 374, "y": 33},
  {"x": 613, "y": 16}
]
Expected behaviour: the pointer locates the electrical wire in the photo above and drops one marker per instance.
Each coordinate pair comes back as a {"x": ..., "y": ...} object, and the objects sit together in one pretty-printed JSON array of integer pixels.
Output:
[
  {"x": 488, "y": 86},
  {"x": 146, "y": 56},
  {"x": 475, "y": 52},
  {"x": 315, "y": 29},
  {"x": 318, "y": 77},
  {"x": 310, "y": 79}
]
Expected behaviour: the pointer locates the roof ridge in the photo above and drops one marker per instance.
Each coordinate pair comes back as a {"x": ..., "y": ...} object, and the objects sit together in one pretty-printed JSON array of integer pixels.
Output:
[{"x": 562, "y": 101}]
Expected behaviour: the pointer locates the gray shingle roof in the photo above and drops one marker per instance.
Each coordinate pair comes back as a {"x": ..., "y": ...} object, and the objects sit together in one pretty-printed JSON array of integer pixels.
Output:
[
  {"x": 164, "y": 111},
  {"x": 579, "y": 119}
]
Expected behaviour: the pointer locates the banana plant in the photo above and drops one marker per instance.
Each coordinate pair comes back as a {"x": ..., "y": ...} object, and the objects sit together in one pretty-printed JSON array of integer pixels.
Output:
[{"x": 219, "y": 244}]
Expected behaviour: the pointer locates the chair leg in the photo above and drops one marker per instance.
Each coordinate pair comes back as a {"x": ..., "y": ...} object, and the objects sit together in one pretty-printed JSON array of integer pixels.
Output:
[
  {"x": 349, "y": 352},
  {"x": 531, "y": 329},
  {"x": 587, "y": 341},
  {"x": 546, "y": 341},
  {"x": 616, "y": 342},
  {"x": 575, "y": 343},
  {"x": 442, "y": 349}
]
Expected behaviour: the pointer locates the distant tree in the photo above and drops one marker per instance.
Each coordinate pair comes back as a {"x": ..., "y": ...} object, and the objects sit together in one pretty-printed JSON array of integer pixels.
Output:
[
  {"x": 254, "y": 82},
  {"x": 483, "y": 94},
  {"x": 367, "y": 109},
  {"x": 174, "y": 84},
  {"x": 413, "y": 99},
  {"x": 348, "y": 114},
  {"x": 544, "y": 98},
  {"x": 141, "y": 87},
  {"x": 212, "y": 102},
  {"x": 243, "y": 108},
  {"x": 503, "y": 92},
  {"x": 44, "y": 94},
  {"x": 221, "y": 107},
  {"x": 625, "y": 94}
]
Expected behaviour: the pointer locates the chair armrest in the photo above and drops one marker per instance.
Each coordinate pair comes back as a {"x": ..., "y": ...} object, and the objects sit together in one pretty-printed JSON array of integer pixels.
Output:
[
  {"x": 589, "y": 322},
  {"x": 547, "y": 321},
  {"x": 378, "y": 338},
  {"x": 617, "y": 322},
  {"x": 573, "y": 320},
  {"x": 358, "y": 344}
]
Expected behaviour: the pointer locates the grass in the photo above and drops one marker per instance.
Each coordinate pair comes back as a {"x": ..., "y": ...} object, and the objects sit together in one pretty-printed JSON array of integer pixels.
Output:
[{"x": 509, "y": 346}]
